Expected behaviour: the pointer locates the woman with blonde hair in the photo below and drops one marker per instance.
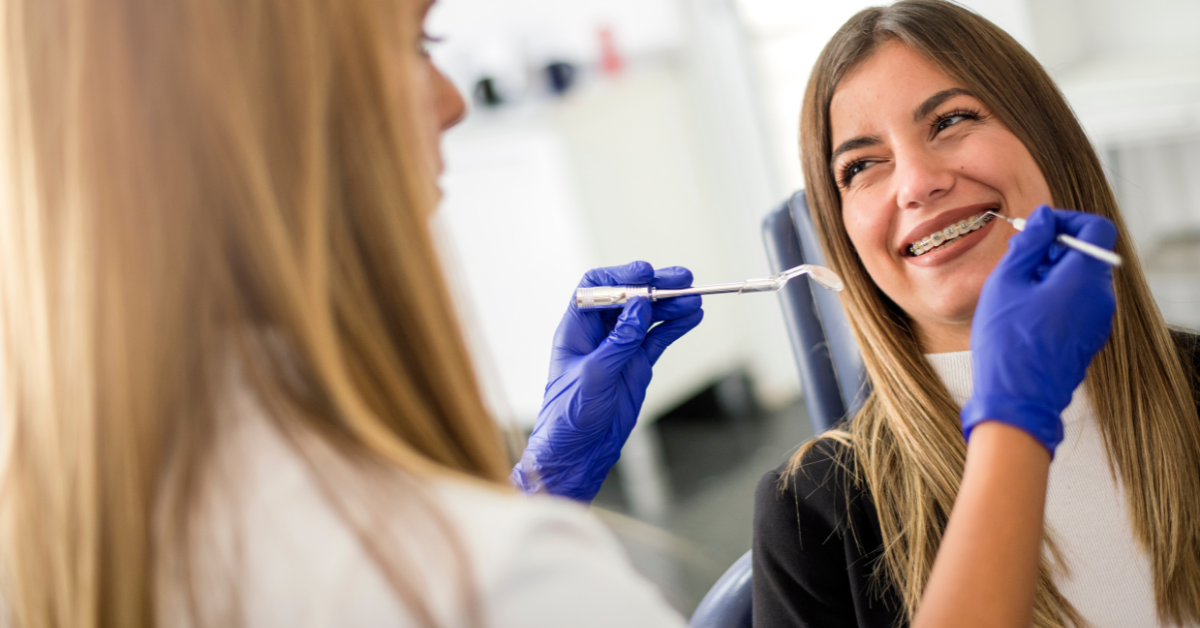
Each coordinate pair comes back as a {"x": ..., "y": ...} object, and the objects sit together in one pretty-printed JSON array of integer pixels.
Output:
[
  {"x": 235, "y": 389},
  {"x": 235, "y": 392},
  {"x": 918, "y": 119}
]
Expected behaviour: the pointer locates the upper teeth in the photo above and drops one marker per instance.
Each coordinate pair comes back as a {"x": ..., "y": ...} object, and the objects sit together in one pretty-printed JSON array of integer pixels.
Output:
[{"x": 953, "y": 232}]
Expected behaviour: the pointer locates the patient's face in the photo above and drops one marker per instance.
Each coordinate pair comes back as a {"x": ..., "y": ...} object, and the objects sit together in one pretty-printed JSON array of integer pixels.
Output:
[{"x": 913, "y": 156}]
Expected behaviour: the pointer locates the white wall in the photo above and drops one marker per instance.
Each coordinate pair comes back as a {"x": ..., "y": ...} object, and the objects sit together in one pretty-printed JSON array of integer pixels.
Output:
[
  {"x": 786, "y": 36},
  {"x": 510, "y": 230},
  {"x": 1101, "y": 51}
]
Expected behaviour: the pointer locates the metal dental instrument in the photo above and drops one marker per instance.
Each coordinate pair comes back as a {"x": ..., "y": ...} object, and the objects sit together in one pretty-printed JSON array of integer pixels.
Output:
[
  {"x": 606, "y": 297},
  {"x": 1087, "y": 248}
]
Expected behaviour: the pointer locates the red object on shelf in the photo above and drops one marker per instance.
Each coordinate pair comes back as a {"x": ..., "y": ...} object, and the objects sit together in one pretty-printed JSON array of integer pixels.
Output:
[{"x": 611, "y": 62}]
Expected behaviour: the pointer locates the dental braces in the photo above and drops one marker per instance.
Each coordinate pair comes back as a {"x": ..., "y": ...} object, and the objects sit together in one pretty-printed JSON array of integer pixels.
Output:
[{"x": 949, "y": 234}]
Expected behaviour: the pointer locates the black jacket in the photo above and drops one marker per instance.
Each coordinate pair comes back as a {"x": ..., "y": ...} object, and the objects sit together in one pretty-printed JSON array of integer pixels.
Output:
[{"x": 817, "y": 542}]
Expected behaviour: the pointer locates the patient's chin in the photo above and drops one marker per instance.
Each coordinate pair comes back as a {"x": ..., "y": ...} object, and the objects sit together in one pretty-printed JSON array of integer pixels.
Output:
[{"x": 950, "y": 314}]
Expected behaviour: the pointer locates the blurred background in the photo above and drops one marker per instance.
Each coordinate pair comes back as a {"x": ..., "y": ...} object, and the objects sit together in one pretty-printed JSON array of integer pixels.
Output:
[{"x": 604, "y": 131}]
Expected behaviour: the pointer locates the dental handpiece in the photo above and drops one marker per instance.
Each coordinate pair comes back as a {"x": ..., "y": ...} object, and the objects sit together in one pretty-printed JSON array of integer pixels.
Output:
[
  {"x": 606, "y": 297},
  {"x": 1087, "y": 248}
]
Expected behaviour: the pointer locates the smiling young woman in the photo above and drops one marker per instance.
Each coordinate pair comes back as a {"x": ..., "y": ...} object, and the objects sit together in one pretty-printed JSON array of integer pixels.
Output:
[
  {"x": 919, "y": 117},
  {"x": 916, "y": 154}
]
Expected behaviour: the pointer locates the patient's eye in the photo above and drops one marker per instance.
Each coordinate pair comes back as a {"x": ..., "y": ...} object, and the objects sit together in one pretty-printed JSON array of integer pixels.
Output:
[
  {"x": 947, "y": 120},
  {"x": 851, "y": 169}
]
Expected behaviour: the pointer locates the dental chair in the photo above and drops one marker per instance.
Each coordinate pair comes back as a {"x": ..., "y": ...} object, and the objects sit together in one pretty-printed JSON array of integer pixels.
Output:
[
  {"x": 831, "y": 368},
  {"x": 831, "y": 375}
]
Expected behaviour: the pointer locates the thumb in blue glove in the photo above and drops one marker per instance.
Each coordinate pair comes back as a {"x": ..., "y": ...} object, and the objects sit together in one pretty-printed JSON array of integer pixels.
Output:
[
  {"x": 600, "y": 367},
  {"x": 1042, "y": 315}
]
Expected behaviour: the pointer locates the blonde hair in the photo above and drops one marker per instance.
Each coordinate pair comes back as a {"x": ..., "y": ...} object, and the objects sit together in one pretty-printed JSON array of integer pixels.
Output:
[
  {"x": 906, "y": 441},
  {"x": 185, "y": 179}
]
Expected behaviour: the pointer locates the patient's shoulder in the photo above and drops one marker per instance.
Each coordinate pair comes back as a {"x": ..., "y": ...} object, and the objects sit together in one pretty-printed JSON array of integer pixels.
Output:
[
  {"x": 820, "y": 485},
  {"x": 827, "y": 463},
  {"x": 1187, "y": 342}
]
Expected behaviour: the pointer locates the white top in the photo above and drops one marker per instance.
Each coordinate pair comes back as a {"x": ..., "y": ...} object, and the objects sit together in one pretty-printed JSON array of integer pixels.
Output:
[
  {"x": 1107, "y": 577},
  {"x": 536, "y": 561}
]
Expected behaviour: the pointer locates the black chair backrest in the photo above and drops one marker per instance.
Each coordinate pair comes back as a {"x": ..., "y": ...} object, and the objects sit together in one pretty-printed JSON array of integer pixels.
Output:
[{"x": 831, "y": 367}]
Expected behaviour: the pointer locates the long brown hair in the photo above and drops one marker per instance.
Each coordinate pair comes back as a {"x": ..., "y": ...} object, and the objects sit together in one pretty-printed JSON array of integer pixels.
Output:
[
  {"x": 190, "y": 183},
  {"x": 906, "y": 443}
]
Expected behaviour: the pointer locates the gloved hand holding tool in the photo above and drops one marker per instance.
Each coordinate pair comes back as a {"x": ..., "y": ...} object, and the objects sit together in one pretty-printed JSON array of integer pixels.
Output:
[
  {"x": 600, "y": 367},
  {"x": 1042, "y": 316}
]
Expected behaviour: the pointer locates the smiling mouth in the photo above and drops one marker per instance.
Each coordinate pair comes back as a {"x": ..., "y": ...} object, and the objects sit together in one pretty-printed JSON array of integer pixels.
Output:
[{"x": 949, "y": 235}]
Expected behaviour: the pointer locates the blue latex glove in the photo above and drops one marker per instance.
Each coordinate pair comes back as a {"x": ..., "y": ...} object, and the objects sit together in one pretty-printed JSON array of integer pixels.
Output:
[
  {"x": 1044, "y": 312},
  {"x": 600, "y": 367}
]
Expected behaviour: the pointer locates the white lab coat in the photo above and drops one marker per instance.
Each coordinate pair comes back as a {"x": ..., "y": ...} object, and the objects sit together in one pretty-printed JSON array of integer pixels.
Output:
[{"x": 536, "y": 561}]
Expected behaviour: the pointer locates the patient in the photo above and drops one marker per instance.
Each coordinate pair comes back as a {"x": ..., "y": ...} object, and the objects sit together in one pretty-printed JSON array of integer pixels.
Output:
[{"x": 917, "y": 119}]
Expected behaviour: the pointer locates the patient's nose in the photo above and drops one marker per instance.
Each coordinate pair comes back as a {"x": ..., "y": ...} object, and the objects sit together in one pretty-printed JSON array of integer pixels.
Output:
[{"x": 920, "y": 179}]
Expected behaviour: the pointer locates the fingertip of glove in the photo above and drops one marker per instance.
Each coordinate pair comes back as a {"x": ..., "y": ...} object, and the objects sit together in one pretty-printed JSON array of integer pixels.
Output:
[
  {"x": 1038, "y": 233},
  {"x": 1042, "y": 219},
  {"x": 672, "y": 277},
  {"x": 673, "y": 272},
  {"x": 1109, "y": 233},
  {"x": 641, "y": 267},
  {"x": 1101, "y": 232}
]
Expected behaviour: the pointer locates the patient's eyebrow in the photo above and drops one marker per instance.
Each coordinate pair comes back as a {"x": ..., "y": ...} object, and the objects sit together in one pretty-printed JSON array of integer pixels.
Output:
[
  {"x": 936, "y": 100},
  {"x": 856, "y": 143}
]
